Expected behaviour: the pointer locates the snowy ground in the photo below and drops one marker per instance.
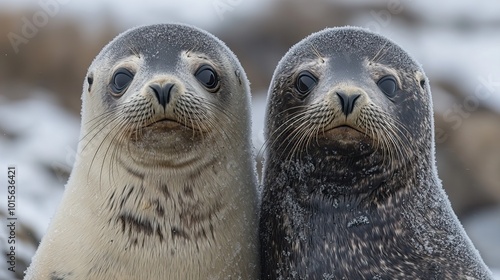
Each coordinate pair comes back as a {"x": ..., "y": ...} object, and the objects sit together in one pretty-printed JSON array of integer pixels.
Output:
[{"x": 38, "y": 139}]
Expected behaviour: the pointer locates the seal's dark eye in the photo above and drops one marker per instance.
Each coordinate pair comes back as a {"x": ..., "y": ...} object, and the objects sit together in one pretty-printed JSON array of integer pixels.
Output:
[
  {"x": 388, "y": 85},
  {"x": 121, "y": 80},
  {"x": 207, "y": 77},
  {"x": 422, "y": 84},
  {"x": 305, "y": 82},
  {"x": 90, "y": 80}
]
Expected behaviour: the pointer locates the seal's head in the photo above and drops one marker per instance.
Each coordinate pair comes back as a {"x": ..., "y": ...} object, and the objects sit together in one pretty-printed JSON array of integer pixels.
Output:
[
  {"x": 158, "y": 91},
  {"x": 348, "y": 92}
]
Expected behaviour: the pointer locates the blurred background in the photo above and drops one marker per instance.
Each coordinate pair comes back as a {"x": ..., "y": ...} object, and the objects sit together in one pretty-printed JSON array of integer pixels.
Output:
[{"x": 47, "y": 45}]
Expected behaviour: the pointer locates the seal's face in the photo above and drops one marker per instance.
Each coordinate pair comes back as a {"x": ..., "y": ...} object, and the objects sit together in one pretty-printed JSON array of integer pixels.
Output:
[
  {"x": 344, "y": 91},
  {"x": 163, "y": 89}
]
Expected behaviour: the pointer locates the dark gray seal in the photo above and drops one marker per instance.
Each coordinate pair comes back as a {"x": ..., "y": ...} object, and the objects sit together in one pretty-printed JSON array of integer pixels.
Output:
[
  {"x": 164, "y": 184},
  {"x": 350, "y": 186}
]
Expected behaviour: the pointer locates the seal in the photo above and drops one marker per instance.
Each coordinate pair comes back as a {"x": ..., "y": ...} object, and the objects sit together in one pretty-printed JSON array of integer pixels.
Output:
[
  {"x": 164, "y": 184},
  {"x": 350, "y": 186}
]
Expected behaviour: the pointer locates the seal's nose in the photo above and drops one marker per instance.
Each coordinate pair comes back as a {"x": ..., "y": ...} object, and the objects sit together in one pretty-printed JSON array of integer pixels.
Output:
[
  {"x": 347, "y": 101},
  {"x": 162, "y": 93}
]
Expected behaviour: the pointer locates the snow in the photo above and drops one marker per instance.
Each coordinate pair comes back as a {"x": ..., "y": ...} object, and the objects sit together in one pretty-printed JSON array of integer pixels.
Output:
[
  {"x": 258, "y": 118},
  {"x": 43, "y": 138}
]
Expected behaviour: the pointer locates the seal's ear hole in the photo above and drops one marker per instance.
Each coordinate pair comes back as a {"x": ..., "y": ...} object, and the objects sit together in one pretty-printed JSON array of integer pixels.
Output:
[
  {"x": 121, "y": 80},
  {"x": 305, "y": 82},
  {"x": 422, "y": 84},
  {"x": 388, "y": 85},
  {"x": 90, "y": 80},
  {"x": 208, "y": 77}
]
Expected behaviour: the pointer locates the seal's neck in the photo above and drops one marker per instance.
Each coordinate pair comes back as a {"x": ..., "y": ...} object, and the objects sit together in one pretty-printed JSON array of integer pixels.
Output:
[
  {"x": 149, "y": 204},
  {"x": 353, "y": 179}
]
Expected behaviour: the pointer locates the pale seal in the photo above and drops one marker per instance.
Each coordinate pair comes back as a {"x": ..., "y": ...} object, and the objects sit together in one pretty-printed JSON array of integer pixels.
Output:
[
  {"x": 350, "y": 186},
  {"x": 164, "y": 184}
]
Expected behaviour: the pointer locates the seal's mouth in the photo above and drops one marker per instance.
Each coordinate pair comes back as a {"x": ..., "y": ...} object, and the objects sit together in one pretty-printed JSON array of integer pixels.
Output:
[
  {"x": 345, "y": 133},
  {"x": 345, "y": 128},
  {"x": 164, "y": 123}
]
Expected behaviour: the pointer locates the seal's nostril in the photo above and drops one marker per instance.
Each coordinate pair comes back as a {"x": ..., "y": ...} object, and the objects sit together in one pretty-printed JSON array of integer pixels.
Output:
[
  {"x": 162, "y": 93},
  {"x": 167, "y": 88}
]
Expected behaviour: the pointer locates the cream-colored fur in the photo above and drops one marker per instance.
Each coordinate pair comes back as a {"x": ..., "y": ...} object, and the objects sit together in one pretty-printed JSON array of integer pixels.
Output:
[{"x": 168, "y": 203}]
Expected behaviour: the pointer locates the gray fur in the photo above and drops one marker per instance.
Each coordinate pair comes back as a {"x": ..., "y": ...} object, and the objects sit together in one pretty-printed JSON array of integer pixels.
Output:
[{"x": 344, "y": 206}]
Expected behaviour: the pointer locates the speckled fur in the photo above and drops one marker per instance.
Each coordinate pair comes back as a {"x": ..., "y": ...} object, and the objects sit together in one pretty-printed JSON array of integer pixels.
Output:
[
  {"x": 347, "y": 210},
  {"x": 149, "y": 200}
]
